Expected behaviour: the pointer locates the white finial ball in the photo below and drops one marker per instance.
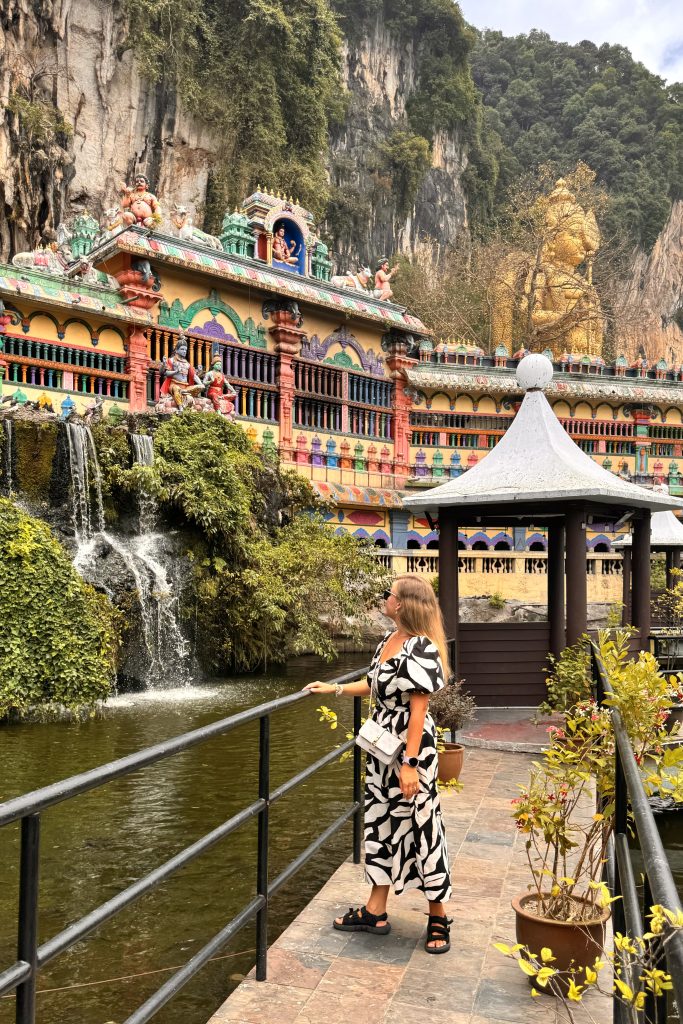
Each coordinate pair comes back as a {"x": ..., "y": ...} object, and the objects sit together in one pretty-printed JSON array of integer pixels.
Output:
[{"x": 534, "y": 372}]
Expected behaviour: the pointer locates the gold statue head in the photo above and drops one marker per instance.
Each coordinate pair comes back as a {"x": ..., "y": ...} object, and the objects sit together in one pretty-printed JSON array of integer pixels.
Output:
[{"x": 572, "y": 233}]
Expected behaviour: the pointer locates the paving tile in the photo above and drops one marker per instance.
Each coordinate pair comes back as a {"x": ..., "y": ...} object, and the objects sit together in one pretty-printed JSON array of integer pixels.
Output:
[
  {"x": 498, "y": 1000},
  {"x": 425, "y": 990},
  {"x": 296, "y": 968},
  {"x": 255, "y": 1002},
  {"x": 404, "y": 1013},
  {"x": 323, "y": 940}
]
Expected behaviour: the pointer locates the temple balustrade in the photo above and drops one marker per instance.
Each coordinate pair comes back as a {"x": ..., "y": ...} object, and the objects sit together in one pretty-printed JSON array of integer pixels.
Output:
[
  {"x": 48, "y": 364},
  {"x": 341, "y": 401}
]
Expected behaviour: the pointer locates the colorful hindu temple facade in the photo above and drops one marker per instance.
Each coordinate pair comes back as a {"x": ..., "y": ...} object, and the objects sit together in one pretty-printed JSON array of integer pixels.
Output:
[{"x": 350, "y": 388}]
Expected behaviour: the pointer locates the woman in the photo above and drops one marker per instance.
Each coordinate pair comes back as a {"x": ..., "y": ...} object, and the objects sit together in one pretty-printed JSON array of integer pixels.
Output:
[{"x": 405, "y": 842}]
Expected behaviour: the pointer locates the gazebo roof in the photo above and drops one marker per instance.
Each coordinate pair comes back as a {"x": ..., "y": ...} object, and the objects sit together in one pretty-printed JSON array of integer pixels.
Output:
[
  {"x": 666, "y": 531},
  {"x": 537, "y": 462}
]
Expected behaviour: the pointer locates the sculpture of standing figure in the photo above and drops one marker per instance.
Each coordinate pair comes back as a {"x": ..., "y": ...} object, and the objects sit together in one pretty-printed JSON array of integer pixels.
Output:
[
  {"x": 140, "y": 206},
  {"x": 181, "y": 380},
  {"x": 382, "y": 278},
  {"x": 219, "y": 390}
]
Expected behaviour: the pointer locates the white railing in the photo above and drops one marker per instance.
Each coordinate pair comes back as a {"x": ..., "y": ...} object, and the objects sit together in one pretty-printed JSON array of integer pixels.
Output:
[{"x": 532, "y": 563}]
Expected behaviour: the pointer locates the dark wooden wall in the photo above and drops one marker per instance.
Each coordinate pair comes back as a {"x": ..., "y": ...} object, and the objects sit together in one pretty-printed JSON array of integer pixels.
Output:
[{"x": 504, "y": 664}]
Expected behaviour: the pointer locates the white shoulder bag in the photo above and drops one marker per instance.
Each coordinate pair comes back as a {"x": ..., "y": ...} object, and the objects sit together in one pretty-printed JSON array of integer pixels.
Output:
[{"x": 374, "y": 738}]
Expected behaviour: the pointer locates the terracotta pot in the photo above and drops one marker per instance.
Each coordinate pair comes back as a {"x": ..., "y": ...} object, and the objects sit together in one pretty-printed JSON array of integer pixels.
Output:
[
  {"x": 570, "y": 941},
  {"x": 450, "y": 762}
]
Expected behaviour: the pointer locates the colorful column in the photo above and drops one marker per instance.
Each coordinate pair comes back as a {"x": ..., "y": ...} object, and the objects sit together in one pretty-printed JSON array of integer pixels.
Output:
[
  {"x": 396, "y": 346},
  {"x": 137, "y": 365},
  {"x": 287, "y": 334}
]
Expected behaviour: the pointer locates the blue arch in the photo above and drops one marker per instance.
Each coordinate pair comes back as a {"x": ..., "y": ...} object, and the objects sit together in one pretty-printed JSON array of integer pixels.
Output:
[
  {"x": 293, "y": 233},
  {"x": 478, "y": 537},
  {"x": 600, "y": 539}
]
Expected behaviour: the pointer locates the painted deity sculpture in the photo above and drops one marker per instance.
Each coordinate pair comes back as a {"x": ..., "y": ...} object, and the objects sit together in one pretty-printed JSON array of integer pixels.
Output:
[
  {"x": 139, "y": 205},
  {"x": 358, "y": 281},
  {"x": 555, "y": 299},
  {"x": 383, "y": 278},
  {"x": 283, "y": 251},
  {"x": 219, "y": 390},
  {"x": 184, "y": 227},
  {"x": 181, "y": 380}
]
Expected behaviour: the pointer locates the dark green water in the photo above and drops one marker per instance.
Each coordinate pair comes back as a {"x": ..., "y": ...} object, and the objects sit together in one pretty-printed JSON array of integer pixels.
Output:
[{"x": 96, "y": 845}]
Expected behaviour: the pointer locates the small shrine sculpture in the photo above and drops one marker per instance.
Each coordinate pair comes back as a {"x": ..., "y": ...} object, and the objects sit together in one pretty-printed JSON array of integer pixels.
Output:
[
  {"x": 283, "y": 235},
  {"x": 358, "y": 281},
  {"x": 139, "y": 205},
  {"x": 184, "y": 227},
  {"x": 183, "y": 386}
]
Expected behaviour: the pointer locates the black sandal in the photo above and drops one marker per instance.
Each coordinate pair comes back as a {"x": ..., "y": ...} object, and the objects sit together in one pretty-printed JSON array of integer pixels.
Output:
[
  {"x": 438, "y": 928},
  {"x": 361, "y": 920}
]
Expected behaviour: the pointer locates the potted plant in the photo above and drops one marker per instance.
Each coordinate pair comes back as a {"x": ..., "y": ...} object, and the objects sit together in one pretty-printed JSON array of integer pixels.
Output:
[
  {"x": 567, "y": 904},
  {"x": 451, "y": 708}
]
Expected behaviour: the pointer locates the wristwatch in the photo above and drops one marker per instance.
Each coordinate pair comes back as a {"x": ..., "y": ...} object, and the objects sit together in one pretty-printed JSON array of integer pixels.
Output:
[{"x": 412, "y": 761}]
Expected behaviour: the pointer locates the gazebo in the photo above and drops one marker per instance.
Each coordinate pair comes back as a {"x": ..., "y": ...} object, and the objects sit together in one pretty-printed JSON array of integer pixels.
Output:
[
  {"x": 666, "y": 535},
  {"x": 536, "y": 476}
]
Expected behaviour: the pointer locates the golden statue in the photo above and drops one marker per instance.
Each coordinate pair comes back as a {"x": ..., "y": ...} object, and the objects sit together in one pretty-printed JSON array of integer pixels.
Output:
[{"x": 553, "y": 304}]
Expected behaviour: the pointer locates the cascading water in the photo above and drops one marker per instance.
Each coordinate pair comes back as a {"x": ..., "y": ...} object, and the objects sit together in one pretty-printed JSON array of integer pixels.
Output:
[
  {"x": 146, "y": 560},
  {"x": 8, "y": 430}
]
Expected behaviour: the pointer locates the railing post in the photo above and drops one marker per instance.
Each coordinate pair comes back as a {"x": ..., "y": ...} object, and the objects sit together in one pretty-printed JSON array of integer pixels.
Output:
[
  {"x": 620, "y": 828},
  {"x": 262, "y": 852},
  {"x": 27, "y": 943},
  {"x": 358, "y": 815}
]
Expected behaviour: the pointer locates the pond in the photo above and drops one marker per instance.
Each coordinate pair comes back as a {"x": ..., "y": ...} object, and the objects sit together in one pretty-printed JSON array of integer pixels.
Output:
[{"x": 97, "y": 844}]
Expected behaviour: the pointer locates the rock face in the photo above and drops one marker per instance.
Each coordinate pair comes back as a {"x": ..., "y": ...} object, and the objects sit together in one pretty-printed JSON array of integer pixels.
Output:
[
  {"x": 655, "y": 287},
  {"x": 119, "y": 121},
  {"x": 381, "y": 76}
]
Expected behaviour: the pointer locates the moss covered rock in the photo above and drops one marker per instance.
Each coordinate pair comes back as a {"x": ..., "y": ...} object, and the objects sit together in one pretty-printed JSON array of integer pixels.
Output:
[
  {"x": 59, "y": 637},
  {"x": 35, "y": 446}
]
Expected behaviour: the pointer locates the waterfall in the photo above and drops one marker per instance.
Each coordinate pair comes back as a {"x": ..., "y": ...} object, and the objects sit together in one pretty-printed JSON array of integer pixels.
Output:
[
  {"x": 8, "y": 429},
  {"x": 145, "y": 557},
  {"x": 143, "y": 446},
  {"x": 86, "y": 519}
]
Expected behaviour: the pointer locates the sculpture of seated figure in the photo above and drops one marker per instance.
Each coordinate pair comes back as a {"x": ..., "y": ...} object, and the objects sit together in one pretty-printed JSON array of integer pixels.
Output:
[
  {"x": 283, "y": 251},
  {"x": 140, "y": 206},
  {"x": 383, "y": 278},
  {"x": 219, "y": 390},
  {"x": 181, "y": 380}
]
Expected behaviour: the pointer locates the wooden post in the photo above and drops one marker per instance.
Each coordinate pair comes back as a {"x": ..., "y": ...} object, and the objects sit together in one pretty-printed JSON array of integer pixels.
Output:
[
  {"x": 669, "y": 566},
  {"x": 626, "y": 586},
  {"x": 577, "y": 583},
  {"x": 448, "y": 578},
  {"x": 556, "y": 588},
  {"x": 640, "y": 586}
]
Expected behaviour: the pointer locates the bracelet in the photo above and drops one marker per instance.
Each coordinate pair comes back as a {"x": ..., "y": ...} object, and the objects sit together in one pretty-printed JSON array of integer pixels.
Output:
[{"x": 338, "y": 689}]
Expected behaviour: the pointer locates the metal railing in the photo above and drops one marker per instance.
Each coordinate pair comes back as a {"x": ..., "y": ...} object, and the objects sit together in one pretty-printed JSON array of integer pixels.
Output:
[
  {"x": 633, "y": 813},
  {"x": 21, "y": 976}
]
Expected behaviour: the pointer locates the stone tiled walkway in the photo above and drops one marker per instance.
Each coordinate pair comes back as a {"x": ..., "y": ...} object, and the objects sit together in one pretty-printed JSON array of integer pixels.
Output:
[{"x": 320, "y": 976}]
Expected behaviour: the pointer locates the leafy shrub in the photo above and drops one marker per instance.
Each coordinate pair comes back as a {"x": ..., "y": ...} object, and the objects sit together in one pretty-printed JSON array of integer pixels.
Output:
[
  {"x": 496, "y": 601},
  {"x": 60, "y": 637},
  {"x": 452, "y": 708},
  {"x": 570, "y": 678}
]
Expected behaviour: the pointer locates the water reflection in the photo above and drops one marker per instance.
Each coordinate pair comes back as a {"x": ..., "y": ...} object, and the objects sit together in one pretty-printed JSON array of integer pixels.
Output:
[{"x": 98, "y": 844}]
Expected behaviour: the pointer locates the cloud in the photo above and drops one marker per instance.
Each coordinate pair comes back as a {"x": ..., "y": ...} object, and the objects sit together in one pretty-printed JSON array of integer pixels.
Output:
[{"x": 651, "y": 29}]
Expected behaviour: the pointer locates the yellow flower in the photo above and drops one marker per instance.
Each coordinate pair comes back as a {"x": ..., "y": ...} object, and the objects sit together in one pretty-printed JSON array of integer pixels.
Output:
[
  {"x": 574, "y": 991},
  {"x": 623, "y": 943}
]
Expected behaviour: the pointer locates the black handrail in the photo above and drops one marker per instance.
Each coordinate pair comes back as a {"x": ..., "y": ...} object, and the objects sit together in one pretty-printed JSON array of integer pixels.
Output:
[
  {"x": 659, "y": 885},
  {"x": 21, "y": 976}
]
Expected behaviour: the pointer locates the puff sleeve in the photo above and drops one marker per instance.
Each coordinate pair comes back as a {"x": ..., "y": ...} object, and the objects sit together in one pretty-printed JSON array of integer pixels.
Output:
[{"x": 420, "y": 669}]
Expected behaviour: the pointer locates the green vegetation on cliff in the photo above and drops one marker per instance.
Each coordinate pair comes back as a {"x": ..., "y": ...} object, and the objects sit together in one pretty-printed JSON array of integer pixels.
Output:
[
  {"x": 270, "y": 580},
  {"x": 59, "y": 637},
  {"x": 263, "y": 73},
  {"x": 553, "y": 102}
]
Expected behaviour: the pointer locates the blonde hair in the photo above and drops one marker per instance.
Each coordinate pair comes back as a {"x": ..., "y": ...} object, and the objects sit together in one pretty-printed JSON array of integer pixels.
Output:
[{"x": 420, "y": 614}]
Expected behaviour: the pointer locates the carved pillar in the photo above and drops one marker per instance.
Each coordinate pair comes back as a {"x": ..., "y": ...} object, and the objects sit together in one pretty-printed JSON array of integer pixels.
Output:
[
  {"x": 288, "y": 336},
  {"x": 137, "y": 365},
  {"x": 397, "y": 346}
]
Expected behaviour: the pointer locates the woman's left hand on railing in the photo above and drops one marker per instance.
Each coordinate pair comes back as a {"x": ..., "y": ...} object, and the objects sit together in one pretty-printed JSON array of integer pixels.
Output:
[{"x": 318, "y": 687}]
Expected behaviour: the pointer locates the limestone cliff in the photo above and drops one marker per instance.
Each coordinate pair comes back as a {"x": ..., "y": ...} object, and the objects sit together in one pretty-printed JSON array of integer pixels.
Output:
[
  {"x": 79, "y": 118},
  {"x": 381, "y": 75},
  {"x": 67, "y": 54},
  {"x": 655, "y": 288}
]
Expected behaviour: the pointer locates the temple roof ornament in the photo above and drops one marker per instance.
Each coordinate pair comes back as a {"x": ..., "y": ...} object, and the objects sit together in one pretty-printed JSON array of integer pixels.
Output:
[{"x": 537, "y": 461}]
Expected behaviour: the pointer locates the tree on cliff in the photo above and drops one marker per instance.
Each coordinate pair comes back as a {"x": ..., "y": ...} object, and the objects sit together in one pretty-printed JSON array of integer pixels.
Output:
[{"x": 558, "y": 103}]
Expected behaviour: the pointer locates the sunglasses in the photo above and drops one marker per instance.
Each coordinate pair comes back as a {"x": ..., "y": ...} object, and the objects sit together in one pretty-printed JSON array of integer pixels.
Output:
[{"x": 386, "y": 594}]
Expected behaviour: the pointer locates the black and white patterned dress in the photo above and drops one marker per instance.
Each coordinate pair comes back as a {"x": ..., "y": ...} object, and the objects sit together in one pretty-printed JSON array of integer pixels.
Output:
[{"x": 405, "y": 841}]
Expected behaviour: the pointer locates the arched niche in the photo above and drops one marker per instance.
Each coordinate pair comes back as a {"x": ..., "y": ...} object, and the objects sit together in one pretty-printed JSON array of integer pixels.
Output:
[
  {"x": 111, "y": 340},
  {"x": 77, "y": 332},
  {"x": 583, "y": 411},
  {"x": 604, "y": 412},
  {"x": 562, "y": 410},
  {"x": 293, "y": 235},
  {"x": 673, "y": 415},
  {"x": 43, "y": 326},
  {"x": 464, "y": 403},
  {"x": 440, "y": 402},
  {"x": 487, "y": 405}
]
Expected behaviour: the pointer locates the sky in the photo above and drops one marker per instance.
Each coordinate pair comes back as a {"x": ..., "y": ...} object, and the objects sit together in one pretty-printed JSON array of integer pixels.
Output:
[{"x": 651, "y": 29}]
